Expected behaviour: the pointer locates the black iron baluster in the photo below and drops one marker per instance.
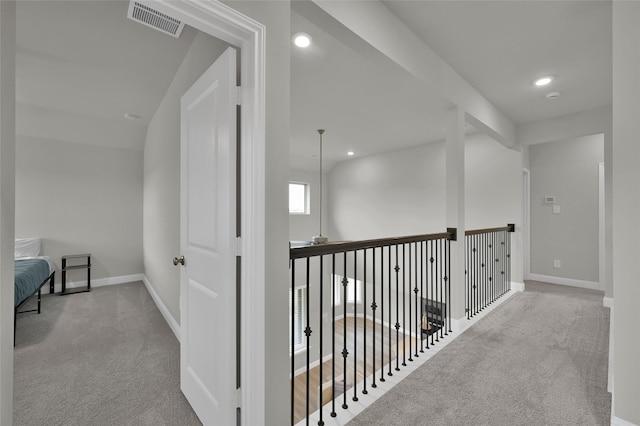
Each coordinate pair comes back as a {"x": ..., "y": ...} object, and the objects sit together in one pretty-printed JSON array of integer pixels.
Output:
[
  {"x": 321, "y": 337},
  {"x": 397, "y": 269},
  {"x": 448, "y": 307},
  {"x": 431, "y": 300},
  {"x": 374, "y": 307},
  {"x": 355, "y": 327},
  {"x": 442, "y": 279},
  {"x": 416, "y": 319},
  {"x": 404, "y": 309},
  {"x": 390, "y": 358},
  {"x": 382, "y": 314},
  {"x": 438, "y": 299},
  {"x": 509, "y": 257},
  {"x": 345, "y": 281},
  {"x": 333, "y": 335},
  {"x": 423, "y": 319},
  {"x": 293, "y": 337},
  {"x": 403, "y": 314},
  {"x": 307, "y": 333},
  {"x": 364, "y": 320}
]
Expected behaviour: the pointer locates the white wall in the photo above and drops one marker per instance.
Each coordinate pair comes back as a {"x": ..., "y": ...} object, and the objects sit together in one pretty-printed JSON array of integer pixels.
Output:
[
  {"x": 493, "y": 183},
  {"x": 81, "y": 198},
  {"x": 493, "y": 192},
  {"x": 388, "y": 195},
  {"x": 567, "y": 170},
  {"x": 161, "y": 236}
]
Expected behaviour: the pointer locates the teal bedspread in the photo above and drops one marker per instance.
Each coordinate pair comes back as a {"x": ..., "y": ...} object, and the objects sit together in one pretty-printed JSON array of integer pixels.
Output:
[{"x": 30, "y": 273}]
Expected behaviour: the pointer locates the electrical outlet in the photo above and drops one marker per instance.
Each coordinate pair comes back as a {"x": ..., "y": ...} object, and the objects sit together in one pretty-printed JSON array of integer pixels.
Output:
[
  {"x": 557, "y": 264},
  {"x": 556, "y": 209}
]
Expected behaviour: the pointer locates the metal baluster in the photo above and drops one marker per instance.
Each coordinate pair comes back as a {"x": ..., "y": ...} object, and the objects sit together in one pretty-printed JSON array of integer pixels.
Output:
[
  {"x": 397, "y": 269},
  {"x": 442, "y": 279},
  {"x": 424, "y": 294},
  {"x": 433, "y": 280},
  {"x": 355, "y": 327},
  {"x": 404, "y": 309},
  {"x": 321, "y": 422},
  {"x": 333, "y": 335},
  {"x": 438, "y": 284},
  {"x": 448, "y": 308},
  {"x": 416, "y": 319},
  {"x": 382, "y": 314},
  {"x": 389, "y": 271},
  {"x": 293, "y": 337},
  {"x": 364, "y": 319},
  {"x": 374, "y": 306},
  {"x": 307, "y": 332},
  {"x": 509, "y": 260},
  {"x": 403, "y": 314},
  {"x": 345, "y": 281}
]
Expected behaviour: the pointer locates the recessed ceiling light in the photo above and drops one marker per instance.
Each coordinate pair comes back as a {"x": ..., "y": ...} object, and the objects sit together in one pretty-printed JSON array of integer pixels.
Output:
[
  {"x": 302, "y": 40},
  {"x": 350, "y": 153},
  {"x": 543, "y": 81}
]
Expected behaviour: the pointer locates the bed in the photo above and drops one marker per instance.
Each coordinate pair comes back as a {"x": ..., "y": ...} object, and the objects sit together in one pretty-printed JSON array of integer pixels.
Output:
[{"x": 32, "y": 272}]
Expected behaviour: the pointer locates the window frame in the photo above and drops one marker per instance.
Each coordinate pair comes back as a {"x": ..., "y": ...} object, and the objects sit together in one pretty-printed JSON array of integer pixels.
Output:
[{"x": 307, "y": 197}]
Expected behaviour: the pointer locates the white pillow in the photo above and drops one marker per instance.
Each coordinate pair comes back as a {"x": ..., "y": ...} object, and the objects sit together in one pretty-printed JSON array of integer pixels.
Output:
[{"x": 27, "y": 247}]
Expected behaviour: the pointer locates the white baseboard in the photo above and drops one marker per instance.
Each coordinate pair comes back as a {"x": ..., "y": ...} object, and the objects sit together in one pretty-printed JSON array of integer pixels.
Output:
[
  {"x": 591, "y": 285},
  {"x": 100, "y": 282},
  {"x": 616, "y": 421},
  {"x": 607, "y": 302},
  {"x": 460, "y": 325},
  {"x": 173, "y": 324},
  {"x": 517, "y": 286}
]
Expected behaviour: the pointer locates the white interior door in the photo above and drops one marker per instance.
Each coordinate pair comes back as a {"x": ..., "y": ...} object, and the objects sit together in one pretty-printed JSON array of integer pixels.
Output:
[{"x": 208, "y": 238}]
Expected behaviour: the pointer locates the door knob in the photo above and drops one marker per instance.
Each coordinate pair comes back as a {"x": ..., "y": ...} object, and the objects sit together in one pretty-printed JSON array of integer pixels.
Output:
[{"x": 178, "y": 260}]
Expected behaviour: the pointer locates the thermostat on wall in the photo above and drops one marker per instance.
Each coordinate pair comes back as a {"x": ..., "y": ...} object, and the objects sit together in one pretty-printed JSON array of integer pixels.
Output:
[{"x": 549, "y": 199}]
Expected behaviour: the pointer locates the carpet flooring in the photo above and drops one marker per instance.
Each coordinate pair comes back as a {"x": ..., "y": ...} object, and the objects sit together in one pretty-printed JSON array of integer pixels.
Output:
[
  {"x": 541, "y": 358},
  {"x": 101, "y": 358}
]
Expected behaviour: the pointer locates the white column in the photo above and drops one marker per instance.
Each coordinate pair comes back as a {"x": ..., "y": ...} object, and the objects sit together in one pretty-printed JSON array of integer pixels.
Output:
[
  {"x": 626, "y": 212},
  {"x": 7, "y": 204},
  {"x": 455, "y": 206}
]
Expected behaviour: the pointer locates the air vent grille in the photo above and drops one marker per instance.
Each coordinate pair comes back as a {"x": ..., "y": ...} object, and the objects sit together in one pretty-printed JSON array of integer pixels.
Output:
[{"x": 154, "y": 19}]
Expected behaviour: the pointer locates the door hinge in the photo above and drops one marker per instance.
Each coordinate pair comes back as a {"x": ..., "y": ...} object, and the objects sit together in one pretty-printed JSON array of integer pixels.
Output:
[
  {"x": 238, "y": 246},
  {"x": 239, "y": 398},
  {"x": 238, "y": 95}
]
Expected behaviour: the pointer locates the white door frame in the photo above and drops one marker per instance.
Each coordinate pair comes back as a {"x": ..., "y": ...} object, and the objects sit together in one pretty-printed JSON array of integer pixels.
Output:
[
  {"x": 526, "y": 219},
  {"x": 225, "y": 23},
  {"x": 602, "y": 264}
]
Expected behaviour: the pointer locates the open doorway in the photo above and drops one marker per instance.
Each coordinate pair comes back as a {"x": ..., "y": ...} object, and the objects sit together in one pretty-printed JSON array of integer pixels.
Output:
[{"x": 220, "y": 21}]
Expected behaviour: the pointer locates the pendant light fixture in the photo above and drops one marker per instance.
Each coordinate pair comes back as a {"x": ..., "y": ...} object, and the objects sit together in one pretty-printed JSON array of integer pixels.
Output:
[{"x": 320, "y": 239}]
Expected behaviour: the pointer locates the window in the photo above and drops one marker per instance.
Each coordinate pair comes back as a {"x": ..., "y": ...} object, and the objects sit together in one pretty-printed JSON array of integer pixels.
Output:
[
  {"x": 298, "y": 198},
  {"x": 351, "y": 296},
  {"x": 299, "y": 318}
]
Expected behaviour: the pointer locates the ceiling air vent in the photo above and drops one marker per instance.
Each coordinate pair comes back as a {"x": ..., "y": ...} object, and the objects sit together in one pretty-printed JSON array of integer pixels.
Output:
[{"x": 154, "y": 19}]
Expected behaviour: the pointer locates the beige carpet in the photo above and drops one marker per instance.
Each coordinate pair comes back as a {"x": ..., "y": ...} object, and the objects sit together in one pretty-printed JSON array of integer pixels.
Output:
[
  {"x": 541, "y": 358},
  {"x": 101, "y": 358}
]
